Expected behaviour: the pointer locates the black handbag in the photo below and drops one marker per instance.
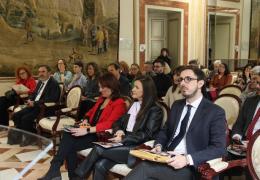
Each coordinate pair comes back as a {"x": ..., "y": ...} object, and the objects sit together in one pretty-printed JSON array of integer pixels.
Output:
[{"x": 10, "y": 95}]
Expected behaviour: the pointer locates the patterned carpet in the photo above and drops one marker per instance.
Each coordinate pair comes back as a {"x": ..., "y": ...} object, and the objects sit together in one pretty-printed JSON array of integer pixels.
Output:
[{"x": 14, "y": 158}]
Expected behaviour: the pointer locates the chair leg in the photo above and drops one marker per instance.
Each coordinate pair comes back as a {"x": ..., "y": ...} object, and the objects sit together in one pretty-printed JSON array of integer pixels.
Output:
[
  {"x": 39, "y": 140},
  {"x": 54, "y": 144}
]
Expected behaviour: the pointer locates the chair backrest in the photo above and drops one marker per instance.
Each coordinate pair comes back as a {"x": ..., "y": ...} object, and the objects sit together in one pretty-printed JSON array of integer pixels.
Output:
[
  {"x": 166, "y": 111},
  {"x": 73, "y": 98},
  {"x": 231, "y": 105},
  {"x": 253, "y": 155},
  {"x": 231, "y": 89},
  {"x": 128, "y": 101}
]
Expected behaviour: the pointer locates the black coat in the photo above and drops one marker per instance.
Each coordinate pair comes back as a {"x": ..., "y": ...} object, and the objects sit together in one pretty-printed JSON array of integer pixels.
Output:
[
  {"x": 144, "y": 129},
  {"x": 162, "y": 82},
  {"x": 245, "y": 116},
  {"x": 51, "y": 92}
]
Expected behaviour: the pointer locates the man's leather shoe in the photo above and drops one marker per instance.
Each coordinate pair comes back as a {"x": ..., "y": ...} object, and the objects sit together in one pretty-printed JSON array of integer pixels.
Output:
[
  {"x": 51, "y": 176},
  {"x": 28, "y": 141},
  {"x": 14, "y": 137}
]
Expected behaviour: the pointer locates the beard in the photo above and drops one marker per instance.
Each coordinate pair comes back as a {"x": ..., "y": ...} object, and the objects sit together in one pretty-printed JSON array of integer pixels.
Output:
[{"x": 187, "y": 96}]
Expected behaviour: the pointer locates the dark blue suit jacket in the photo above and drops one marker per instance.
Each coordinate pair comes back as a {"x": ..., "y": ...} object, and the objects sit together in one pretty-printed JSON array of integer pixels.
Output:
[
  {"x": 51, "y": 92},
  {"x": 206, "y": 136}
]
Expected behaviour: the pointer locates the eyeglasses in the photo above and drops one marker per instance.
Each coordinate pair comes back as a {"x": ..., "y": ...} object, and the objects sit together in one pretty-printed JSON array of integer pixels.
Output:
[
  {"x": 186, "y": 79},
  {"x": 22, "y": 73},
  {"x": 157, "y": 66}
]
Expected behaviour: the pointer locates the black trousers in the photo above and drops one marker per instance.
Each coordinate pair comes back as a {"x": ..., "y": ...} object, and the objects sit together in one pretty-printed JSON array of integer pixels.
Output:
[
  {"x": 102, "y": 160},
  {"x": 25, "y": 119},
  {"x": 156, "y": 171},
  {"x": 4, "y": 105},
  {"x": 69, "y": 146}
]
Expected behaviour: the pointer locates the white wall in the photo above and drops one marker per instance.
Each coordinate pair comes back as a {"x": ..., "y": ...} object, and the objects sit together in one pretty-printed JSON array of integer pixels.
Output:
[
  {"x": 126, "y": 36},
  {"x": 6, "y": 85},
  {"x": 245, "y": 29},
  {"x": 174, "y": 33}
]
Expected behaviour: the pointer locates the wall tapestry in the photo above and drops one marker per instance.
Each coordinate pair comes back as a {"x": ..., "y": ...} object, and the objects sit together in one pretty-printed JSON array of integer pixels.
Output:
[{"x": 37, "y": 32}]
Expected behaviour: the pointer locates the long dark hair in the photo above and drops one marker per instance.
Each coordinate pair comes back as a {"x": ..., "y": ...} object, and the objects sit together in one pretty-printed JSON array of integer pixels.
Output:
[
  {"x": 95, "y": 67},
  {"x": 149, "y": 95},
  {"x": 108, "y": 80},
  {"x": 64, "y": 62},
  {"x": 226, "y": 69},
  {"x": 243, "y": 73},
  {"x": 176, "y": 71}
]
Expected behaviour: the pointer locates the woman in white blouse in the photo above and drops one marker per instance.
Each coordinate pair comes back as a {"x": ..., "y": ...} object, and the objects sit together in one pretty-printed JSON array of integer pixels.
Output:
[{"x": 140, "y": 124}]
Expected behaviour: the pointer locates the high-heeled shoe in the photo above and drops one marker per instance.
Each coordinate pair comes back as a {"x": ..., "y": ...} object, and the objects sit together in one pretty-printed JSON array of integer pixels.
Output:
[{"x": 52, "y": 174}]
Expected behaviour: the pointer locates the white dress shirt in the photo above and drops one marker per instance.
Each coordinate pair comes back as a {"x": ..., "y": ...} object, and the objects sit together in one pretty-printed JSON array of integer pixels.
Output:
[
  {"x": 181, "y": 148},
  {"x": 133, "y": 111},
  {"x": 39, "y": 94}
]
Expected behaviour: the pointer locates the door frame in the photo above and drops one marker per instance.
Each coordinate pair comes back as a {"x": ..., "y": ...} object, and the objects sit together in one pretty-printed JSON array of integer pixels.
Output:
[
  {"x": 215, "y": 10},
  {"x": 181, "y": 11},
  {"x": 233, "y": 42},
  {"x": 161, "y": 16}
]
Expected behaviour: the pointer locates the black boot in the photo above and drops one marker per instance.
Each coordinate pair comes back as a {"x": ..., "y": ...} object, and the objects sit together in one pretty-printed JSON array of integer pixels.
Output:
[
  {"x": 87, "y": 164},
  {"x": 53, "y": 173}
]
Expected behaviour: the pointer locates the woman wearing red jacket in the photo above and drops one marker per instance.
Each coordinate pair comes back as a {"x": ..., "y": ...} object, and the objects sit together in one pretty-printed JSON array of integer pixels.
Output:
[
  {"x": 108, "y": 108},
  {"x": 24, "y": 77}
]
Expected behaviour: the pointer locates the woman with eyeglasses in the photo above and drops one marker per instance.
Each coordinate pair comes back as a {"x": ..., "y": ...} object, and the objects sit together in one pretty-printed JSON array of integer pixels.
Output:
[
  {"x": 62, "y": 75},
  {"x": 134, "y": 72},
  {"x": 140, "y": 124},
  {"x": 23, "y": 78},
  {"x": 174, "y": 92},
  {"x": 108, "y": 108},
  {"x": 219, "y": 80}
]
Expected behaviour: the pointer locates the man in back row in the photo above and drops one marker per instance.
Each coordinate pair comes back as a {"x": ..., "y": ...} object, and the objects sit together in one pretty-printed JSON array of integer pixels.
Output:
[
  {"x": 114, "y": 68},
  {"x": 248, "y": 121},
  {"x": 194, "y": 133}
]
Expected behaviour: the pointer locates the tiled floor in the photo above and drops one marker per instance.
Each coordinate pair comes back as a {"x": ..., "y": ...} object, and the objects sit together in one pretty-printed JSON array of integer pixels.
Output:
[{"x": 14, "y": 158}]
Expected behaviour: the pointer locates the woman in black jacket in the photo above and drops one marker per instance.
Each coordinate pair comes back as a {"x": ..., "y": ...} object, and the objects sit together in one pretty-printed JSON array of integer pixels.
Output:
[{"x": 140, "y": 124}]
